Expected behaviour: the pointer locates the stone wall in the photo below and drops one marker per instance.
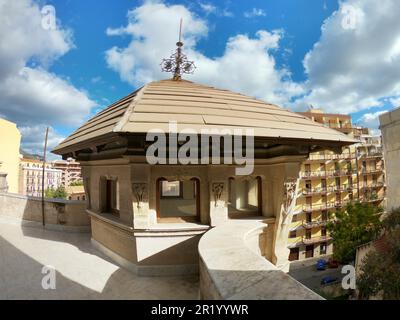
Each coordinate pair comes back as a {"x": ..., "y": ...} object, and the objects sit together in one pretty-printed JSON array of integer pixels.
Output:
[
  {"x": 390, "y": 127},
  {"x": 59, "y": 213}
]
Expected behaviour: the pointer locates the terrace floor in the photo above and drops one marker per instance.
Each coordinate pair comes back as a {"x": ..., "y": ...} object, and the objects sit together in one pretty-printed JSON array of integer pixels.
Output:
[{"x": 81, "y": 271}]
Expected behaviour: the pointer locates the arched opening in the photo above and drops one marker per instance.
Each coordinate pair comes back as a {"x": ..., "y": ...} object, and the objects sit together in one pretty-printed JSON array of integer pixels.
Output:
[
  {"x": 178, "y": 200},
  {"x": 245, "y": 197}
]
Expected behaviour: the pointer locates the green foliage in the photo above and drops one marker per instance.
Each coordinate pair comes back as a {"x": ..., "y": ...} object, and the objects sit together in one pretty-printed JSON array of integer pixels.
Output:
[
  {"x": 380, "y": 271},
  {"x": 76, "y": 183},
  {"x": 356, "y": 224},
  {"x": 59, "y": 193}
]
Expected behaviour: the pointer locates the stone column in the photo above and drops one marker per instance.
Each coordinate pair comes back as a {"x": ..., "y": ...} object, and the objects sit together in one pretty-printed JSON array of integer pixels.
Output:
[{"x": 218, "y": 202}]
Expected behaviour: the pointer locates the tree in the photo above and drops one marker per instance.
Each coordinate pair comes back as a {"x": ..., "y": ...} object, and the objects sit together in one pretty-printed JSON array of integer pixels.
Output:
[
  {"x": 380, "y": 270},
  {"x": 356, "y": 224},
  {"x": 59, "y": 193},
  {"x": 76, "y": 183}
]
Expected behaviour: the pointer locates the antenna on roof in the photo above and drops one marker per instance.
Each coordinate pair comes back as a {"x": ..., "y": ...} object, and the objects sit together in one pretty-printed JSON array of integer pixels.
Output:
[{"x": 178, "y": 63}]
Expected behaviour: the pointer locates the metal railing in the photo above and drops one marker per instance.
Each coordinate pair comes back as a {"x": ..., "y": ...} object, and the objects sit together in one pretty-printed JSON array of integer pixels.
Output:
[
  {"x": 340, "y": 156},
  {"x": 327, "y": 173},
  {"x": 371, "y": 170},
  {"x": 314, "y": 223},
  {"x": 372, "y": 185},
  {"x": 370, "y": 154}
]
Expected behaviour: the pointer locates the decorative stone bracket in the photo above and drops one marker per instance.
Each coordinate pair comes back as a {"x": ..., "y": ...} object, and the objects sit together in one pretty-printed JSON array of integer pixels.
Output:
[
  {"x": 289, "y": 196},
  {"x": 289, "y": 200},
  {"x": 217, "y": 190},
  {"x": 140, "y": 193}
]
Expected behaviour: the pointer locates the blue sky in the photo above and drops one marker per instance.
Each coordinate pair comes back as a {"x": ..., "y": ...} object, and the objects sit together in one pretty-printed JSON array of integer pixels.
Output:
[{"x": 292, "y": 52}]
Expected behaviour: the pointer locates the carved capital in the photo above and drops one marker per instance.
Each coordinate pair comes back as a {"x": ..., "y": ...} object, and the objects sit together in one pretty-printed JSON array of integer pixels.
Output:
[
  {"x": 289, "y": 193},
  {"x": 217, "y": 190},
  {"x": 139, "y": 192},
  {"x": 289, "y": 198}
]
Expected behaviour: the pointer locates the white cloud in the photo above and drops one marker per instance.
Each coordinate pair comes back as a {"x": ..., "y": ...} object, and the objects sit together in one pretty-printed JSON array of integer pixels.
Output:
[
  {"x": 254, "y": 12},
  {"x": 31, "y": 95},
  {"x": 395, "y": 102},
  {"x": 33, "y": 141},
  {"x": 208, "y": 7},
  {"x": 246, "y": 66},
  {"x": 227, "y": 13},
  {"x": 96, "y": 79},
  {"x": 34, "y": 95},
  {"x": 370, "y": 120},
  {"x": 356, "y": 62}
]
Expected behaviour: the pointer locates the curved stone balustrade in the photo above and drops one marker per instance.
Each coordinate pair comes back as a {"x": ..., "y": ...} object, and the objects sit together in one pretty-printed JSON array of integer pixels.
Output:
[{"x": 231, "y": 266}]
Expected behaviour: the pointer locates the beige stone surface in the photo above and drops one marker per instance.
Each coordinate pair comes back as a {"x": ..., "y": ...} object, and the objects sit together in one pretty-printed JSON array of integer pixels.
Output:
[
  {"x": 57, "y": 211},
  {"x": 231, "y": 269},
  {"x": 81, "y": 271},
  {"x": 390, "y": 128}
]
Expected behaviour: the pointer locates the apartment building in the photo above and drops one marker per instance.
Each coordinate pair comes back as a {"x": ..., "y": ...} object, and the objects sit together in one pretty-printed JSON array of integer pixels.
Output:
[
  {"x": 329, "y": 181},
  {"x": 31, "y": 173},
  {"x": 71, "y": 171},
  {"x": 9, "y": 156}
]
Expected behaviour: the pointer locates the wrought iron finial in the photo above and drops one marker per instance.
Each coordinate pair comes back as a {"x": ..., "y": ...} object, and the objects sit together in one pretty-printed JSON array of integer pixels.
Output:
[{"x": 178, "y": 63}]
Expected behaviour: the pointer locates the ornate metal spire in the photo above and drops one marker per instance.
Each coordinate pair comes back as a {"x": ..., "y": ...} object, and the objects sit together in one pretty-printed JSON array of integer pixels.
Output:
[{"x": 178, "y": 63}]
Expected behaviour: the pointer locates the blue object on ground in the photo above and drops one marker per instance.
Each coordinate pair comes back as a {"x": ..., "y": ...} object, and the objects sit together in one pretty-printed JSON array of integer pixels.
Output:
[
  {"x": 321, "y": 264},
  {"x": 328, "y": 279}
]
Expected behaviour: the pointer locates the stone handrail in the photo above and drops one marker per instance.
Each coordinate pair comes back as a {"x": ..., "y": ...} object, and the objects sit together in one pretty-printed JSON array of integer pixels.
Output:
[{"x": 231, "y": 266}]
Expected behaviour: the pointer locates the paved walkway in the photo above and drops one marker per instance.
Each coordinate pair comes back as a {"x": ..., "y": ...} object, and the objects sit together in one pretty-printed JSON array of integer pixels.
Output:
[{"x": 81, "y": 271}]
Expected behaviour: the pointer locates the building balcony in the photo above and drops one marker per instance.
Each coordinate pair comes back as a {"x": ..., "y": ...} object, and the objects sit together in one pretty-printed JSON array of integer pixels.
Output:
[
  {"x": 373, "y": 185},
  {"x": 371, "y": 154},
  {"x": 314, "y": 240},
  {"x": 371, "y": 170},
  {"x": 327, "y": 157},
  {"x": 329, "y": 173},
  {"x": 312, "y": 174},
  {"x": 340, "y": 172},
  {"x": 317, "y": 207},
  {"x": 314, "y": 223},
  {"x": 311, "y": 191},
  {"x": 373, "y": 198}
]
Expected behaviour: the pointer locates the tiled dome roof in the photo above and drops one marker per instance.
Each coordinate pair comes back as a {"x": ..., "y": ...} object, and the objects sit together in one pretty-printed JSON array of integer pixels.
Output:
[{"x": 198, "y": 106}]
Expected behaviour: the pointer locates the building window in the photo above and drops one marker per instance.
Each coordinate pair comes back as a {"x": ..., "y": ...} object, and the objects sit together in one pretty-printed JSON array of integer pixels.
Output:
[
  {"x": 245, "y": 196},
  {"x": 292, "y": 234},
  {"x": 171, "y": 189},
  {"x": 323, "y": 231},
  {"x": 308, "y": 185},
  {"x": 308, "y": 234},
  {"x": 109, "y": 195},
  {"x": 322, "y": 248},
  {"x": 178, "y": 200},
  {"x": 323, "y": 184}
]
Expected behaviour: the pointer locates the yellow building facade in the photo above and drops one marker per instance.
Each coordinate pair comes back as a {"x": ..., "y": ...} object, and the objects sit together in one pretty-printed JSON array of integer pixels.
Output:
[
  {"x": 9, "y": 153},
  {"x": 329, "y": 181}
]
